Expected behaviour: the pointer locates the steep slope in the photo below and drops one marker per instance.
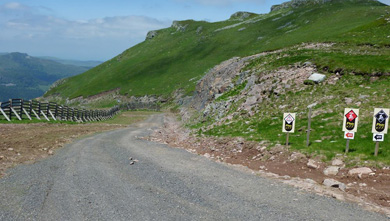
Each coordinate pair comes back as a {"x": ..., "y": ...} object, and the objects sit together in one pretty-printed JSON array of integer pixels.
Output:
[
  {"x": 23, "y": 76},
  {"x": 176, "y": 57}
]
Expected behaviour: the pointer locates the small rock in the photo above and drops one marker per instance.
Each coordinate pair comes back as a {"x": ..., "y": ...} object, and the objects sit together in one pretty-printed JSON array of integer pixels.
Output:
[
  {"x": 130, "y": 158},
  {"x": 1, "y": 157},
  {"x": 131, "y": 162},
  {"x": 50, "y": 152},
  {"x": 334, "y": 183},
  {"x": 297, "y": 156},
  {"x": 360, "y": 171},
  {"x": 331, "y": 170},
  {"x": 286, "y": 177},
  {"x": 318, "y": 141},
  {"x": 312, "y": 164},
  {"x": 10, "y": 149},
  {"x": 318, "y": 78},
  {"x": 348, "y": 100},
  {"x": 207, "y": 155},
  {"x": 262, "y": 167},
  {"x": 337, "y": 162},
  {"x": 362, "y": 184}
]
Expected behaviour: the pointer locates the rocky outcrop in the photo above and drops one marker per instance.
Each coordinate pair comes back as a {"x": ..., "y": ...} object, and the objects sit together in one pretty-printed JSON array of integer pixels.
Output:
[
  {"x": 240, "y": 16},
  {"x": 151, "y": 34},
  {"x": 217, "y": 81},
  {"x": 297, "y": 3},
  {"x": 179, "y": 26}
]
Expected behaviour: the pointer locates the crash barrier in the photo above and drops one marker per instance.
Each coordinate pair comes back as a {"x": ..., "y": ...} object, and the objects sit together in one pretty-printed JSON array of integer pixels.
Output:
[{"x": 20, "y": 109}]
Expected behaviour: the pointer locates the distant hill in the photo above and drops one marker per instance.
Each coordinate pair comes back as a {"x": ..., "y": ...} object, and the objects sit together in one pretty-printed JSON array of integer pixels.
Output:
[
  {"x": 89, "y": 64},
  {"x": 177, "y": 57},
  {"x": 23, "y": 76}
]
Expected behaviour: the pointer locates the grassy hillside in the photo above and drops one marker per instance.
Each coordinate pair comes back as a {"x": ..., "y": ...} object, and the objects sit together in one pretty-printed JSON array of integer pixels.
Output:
[
  {"x": 351, "y": 89},
  {"x": 177, "y": 57},
  {"x": 23, "y": 76}
]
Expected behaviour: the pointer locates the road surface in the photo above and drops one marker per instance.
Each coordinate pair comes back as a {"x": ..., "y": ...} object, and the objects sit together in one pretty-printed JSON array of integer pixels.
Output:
[{"x": 92, "y": 179}]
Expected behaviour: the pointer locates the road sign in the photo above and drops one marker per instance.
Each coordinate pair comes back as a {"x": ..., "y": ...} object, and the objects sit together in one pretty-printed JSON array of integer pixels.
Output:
[
  {"x": 380, "y": 121},
  {"x": 351, "y": 119},
  {"x": 349, "y": 135},
  {"x": 378, "y": 137},
  {"x": 289, "y": 122}
]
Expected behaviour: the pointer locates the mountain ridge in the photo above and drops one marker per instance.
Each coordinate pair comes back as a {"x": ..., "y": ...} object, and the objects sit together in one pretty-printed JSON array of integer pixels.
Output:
[
  {"x": 176, "y": 57},
  {"x": 27, "y": 77}
]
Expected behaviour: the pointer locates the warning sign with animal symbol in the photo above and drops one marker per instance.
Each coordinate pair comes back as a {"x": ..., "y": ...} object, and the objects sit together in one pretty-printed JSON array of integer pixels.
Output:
[
  {"x": 289, "y": 122},
  {"x": 351, "y": 119},
  {"x": 380, "y": 121}
]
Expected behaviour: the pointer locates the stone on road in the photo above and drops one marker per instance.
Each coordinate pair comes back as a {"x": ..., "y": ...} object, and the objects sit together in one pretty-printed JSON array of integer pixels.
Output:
[{"x": 93, "y": 179}]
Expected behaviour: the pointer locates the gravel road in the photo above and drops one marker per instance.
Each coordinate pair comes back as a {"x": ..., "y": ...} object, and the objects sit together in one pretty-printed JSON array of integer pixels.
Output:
[{"x": 92, "y": 179}]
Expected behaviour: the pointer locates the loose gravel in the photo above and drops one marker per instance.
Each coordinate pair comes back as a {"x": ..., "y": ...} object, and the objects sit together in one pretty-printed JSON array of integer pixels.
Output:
[{"x": 118, "y": 176}]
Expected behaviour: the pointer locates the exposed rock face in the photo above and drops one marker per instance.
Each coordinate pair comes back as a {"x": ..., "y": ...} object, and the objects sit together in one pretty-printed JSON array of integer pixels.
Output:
[
  {"x": 297, "y": 3},
  {"x": 240, "y": 16},
  {"x": 179, "y": 26},
  {"x": 151, "y": 34},
  {"x": 228, "y": 85},
  {"x": 216, "y": 81}
]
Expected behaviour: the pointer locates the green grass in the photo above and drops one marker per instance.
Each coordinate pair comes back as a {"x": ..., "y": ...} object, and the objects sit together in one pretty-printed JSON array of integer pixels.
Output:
[
  {"x": 176, "y": 60},
  {"x": 341, "y": 58},
  {"x": 326, "y": 124}
]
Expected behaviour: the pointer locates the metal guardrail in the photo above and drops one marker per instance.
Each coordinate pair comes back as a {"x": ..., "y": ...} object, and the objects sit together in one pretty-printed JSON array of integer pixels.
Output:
[{"x": 21, "y": 109}]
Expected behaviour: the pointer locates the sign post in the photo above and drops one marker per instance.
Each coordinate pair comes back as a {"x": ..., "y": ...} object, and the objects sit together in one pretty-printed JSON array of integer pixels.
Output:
[
  {"x": 288, "y": 125},
  {"x": 350, "y": 124},
  {"x": 380, "y": 126}
]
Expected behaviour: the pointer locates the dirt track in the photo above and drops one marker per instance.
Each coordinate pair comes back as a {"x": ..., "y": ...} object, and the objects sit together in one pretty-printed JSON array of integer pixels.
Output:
[
  {"x": 117, "y": 175},
  {"x": 27, "y": 143},
  {"x": 279, "y": 162}
]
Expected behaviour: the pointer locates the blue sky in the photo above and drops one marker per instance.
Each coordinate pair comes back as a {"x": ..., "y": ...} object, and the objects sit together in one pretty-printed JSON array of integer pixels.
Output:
[{"x": 102, "y": 29}]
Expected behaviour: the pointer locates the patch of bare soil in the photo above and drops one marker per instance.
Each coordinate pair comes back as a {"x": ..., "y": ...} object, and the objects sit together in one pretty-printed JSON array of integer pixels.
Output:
[
  {"x": 27, "y": 143},
  {"x": 369, "y": 191}
]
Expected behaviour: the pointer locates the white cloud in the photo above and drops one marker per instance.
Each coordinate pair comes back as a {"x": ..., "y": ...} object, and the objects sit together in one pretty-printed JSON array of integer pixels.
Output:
[{"x": 21, "y": 24}]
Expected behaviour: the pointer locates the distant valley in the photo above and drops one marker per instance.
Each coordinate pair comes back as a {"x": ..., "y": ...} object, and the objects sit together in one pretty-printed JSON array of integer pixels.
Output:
[{"x": 27, "y": 77}]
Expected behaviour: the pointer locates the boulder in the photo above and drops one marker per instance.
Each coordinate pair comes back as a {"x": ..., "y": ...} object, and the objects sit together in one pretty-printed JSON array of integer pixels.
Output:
[
  {"x": 334, "y": 183},
  {"x": 360, "y": 171},
  {"x": 317, "y": 78},
  {"x": 331, "y": 171}
]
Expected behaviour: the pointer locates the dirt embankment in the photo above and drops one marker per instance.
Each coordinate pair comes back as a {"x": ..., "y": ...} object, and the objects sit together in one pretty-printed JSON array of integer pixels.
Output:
[
  {"x": 368, "y": 190},
  {"x": 27, "y": 143}
]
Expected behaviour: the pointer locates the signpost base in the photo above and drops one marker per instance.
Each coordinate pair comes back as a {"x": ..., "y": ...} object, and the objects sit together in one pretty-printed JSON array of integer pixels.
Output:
[
  {"x": 376, "y": 148},
  {"x": 347, "y": 147},
  {"x": 287, "y": 136}
]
